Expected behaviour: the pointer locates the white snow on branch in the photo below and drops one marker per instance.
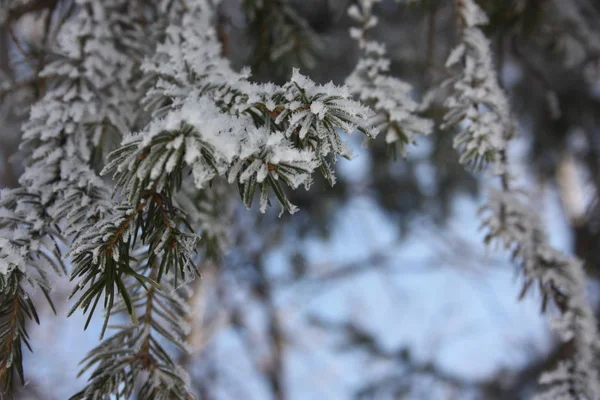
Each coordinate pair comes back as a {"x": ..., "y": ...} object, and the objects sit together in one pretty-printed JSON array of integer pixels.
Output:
[
  {"x": 477, "y": 106},
  {"x": 479, "y": 109},
  {"x": 390, "y": 97}
]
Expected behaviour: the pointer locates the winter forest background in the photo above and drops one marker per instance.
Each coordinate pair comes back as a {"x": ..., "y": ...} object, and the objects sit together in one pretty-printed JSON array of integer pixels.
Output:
[{"x": 468, "y": 208}]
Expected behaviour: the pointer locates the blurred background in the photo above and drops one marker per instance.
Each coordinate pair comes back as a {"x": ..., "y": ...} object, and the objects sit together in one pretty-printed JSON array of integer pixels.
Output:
[{"x": 379, "y": 287}]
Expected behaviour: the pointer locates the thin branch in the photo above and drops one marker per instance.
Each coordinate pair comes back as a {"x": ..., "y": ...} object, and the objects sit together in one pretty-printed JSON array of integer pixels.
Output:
[
  {"x": 22, "y": 84},
  {"x": 275, "y": 371}
]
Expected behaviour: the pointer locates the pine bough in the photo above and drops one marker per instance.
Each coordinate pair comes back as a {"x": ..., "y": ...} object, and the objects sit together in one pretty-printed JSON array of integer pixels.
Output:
[{"x": 479, "y": 110}]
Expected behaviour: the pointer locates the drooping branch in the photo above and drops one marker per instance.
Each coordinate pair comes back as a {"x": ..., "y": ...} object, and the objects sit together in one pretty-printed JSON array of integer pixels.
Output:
[{"x": 478, "y": 108}]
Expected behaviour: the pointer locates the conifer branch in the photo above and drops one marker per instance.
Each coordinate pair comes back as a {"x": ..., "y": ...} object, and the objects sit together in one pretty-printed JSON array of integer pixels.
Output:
[
  {"x": 25, "y": 263},
  {"x": 396, "y": 111},
  {"x": 479, "y": 109},
  {"x": 259, "y": 135},
  {"x": 60, "y": 189},
  {"x": 15, "y": 310},
  {"x": 136, "y": 352}
]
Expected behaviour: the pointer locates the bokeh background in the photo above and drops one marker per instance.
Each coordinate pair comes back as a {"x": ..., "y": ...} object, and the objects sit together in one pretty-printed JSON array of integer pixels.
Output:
[{"x": 379, "y": 287}]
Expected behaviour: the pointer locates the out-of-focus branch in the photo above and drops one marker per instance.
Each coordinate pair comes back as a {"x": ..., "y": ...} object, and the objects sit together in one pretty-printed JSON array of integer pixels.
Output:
[
  {"x": 203, "y": 325},
  {"x": 14, "y": 13},
  {"x": 22, "y": 84},
  {"x": 504, "y": 385},
  {"x": 275, "y": 370},
  {"x": 570, "y": 190},
  {"x": 578, "y": 27},
  {"x": 5, "y": 68}
]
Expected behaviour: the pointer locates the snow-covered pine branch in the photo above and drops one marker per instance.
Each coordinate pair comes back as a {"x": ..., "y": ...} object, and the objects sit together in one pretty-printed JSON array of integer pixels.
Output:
[
  {"x": 396, "y": 111},
  {"x": 90, "y": 100},
  {"x": 137, "y": 352},
  {"x": 89, "y": 97},
  {"x": 28, "y": 254},
  {"x": 140, "y": 351},
  {"x": 561, "y": 280},
  {"x": 213, "y": 122},
  {"x": 478, "y": 108}
]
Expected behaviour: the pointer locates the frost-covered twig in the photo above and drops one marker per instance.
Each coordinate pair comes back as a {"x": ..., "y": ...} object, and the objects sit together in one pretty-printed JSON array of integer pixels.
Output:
[
  {"x": 390, "y": 97},
  {"x": 478, "y": 108},
  {"x": 561, "y": 280}
]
